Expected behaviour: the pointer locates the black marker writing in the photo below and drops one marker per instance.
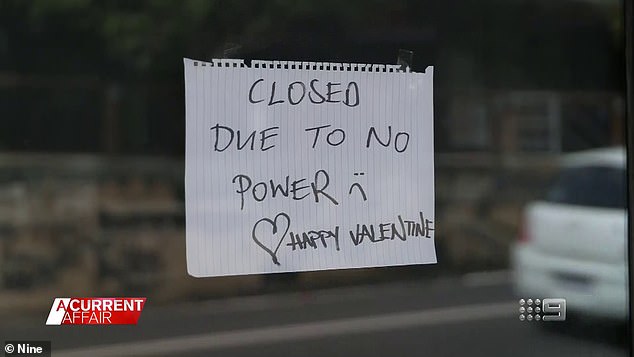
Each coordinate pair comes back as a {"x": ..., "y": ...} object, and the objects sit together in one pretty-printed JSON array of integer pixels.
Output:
[
  {"x": 297, "y": 189},
  {"x": 223, "y": 136},
  {"x": 331, "y": 92},
  {"x": 314, "y": 90},
  {"x": 311, "y": 238},
  {"x": 383, "y": 231},
  {"x": 334, "y": 138},
  {"x": 358, "y": 187},
  {"x": 297, "y": 91},
  {"x": 251, "y": 100},
  {"x": 401, "y": 139},
  {"x": 353, "y": 88},
  {"x": 279, "y": 227},
  {"x": 302, "y": 87},
  {"x": 269, "y": 234},
  {"x": 322, "y": 190}
]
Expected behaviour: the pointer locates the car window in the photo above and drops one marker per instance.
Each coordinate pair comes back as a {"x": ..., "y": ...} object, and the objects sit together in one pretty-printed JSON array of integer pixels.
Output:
[{"x": 593, "y": 186}]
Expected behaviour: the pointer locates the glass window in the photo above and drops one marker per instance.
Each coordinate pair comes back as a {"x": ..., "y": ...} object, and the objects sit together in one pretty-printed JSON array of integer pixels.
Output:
[{"x": 92, "y": 178}]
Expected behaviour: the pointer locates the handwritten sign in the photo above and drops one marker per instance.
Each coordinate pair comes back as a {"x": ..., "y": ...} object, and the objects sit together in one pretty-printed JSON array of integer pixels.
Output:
[{"x": 297, "y": 166}]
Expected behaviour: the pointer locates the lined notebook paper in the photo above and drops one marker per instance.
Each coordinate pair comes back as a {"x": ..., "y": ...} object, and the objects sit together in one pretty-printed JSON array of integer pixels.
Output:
[{"x": 301, "y": 166}]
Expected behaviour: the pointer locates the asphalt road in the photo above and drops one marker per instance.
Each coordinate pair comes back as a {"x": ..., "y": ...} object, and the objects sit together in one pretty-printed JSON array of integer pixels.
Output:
[{"x": 474, "y": 315}]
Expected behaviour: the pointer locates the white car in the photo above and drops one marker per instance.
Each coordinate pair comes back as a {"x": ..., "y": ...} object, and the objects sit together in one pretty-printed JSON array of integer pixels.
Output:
[{"x": 572, "y": 244}]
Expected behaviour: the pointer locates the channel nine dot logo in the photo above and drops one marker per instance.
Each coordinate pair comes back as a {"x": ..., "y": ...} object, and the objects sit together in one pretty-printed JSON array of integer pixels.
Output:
[{"x": 546, "y": 309}]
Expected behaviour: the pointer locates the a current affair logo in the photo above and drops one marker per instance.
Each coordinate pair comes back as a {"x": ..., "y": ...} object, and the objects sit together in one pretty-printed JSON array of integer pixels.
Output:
[{"x": 96, "y": 311}]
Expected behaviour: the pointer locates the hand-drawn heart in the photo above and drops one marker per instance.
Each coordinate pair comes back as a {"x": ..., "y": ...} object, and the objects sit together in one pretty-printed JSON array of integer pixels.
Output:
[{"x": 284, "y": 219}]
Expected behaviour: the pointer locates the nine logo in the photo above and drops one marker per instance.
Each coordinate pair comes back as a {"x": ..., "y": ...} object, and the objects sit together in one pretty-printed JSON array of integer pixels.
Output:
[{"x": 547, "y": 309}]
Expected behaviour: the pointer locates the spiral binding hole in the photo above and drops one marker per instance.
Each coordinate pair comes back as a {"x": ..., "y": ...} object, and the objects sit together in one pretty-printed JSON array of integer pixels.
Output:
[{"x": 315, "y": 66}]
